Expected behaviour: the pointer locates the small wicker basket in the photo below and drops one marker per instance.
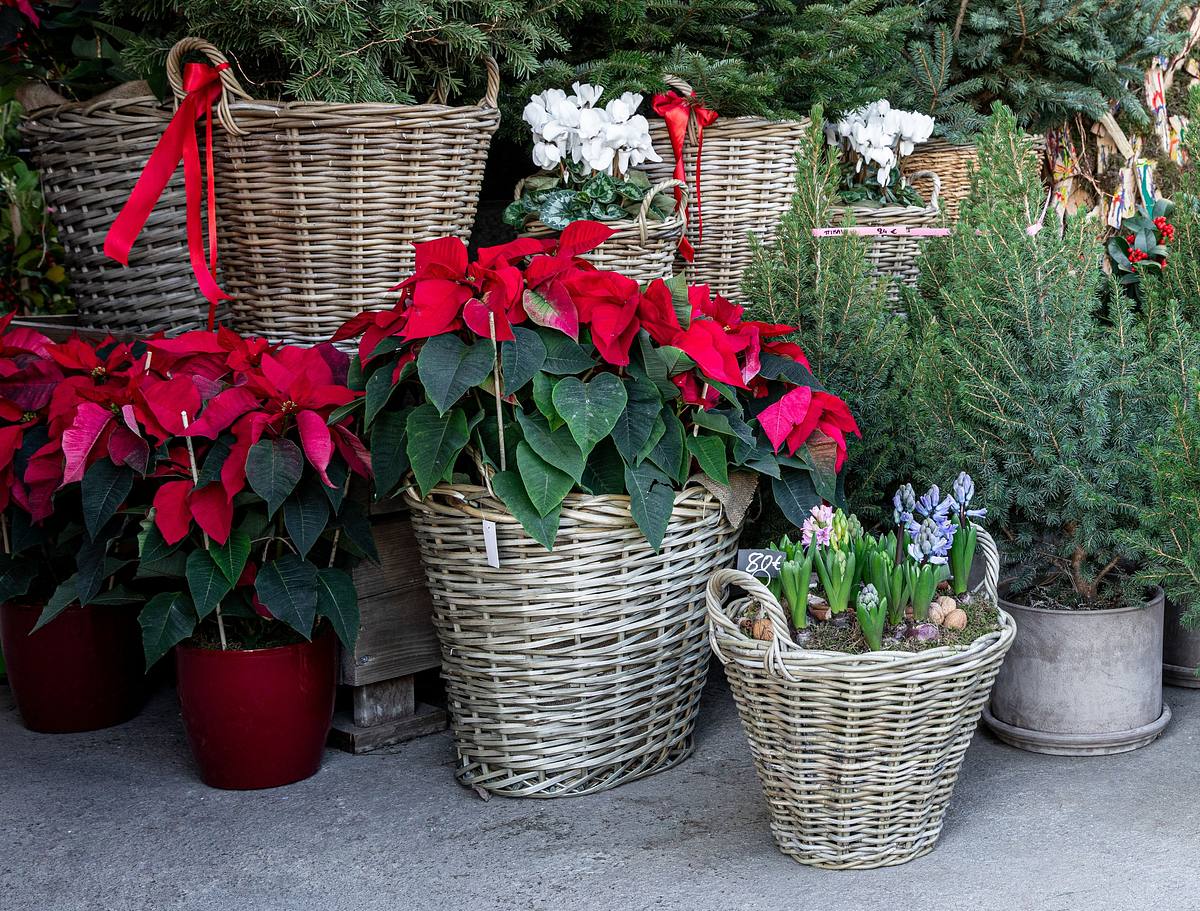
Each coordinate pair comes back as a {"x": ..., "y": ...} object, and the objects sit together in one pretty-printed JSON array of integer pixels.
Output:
[
  {"x": 747, "y": 180},
  {"x": 90, "y": 156},
  {"x": 640, "y": 249},
  {"x": 319, "y": 204},
  {"x": 572, "y": 671},
  {"x": 896, "y": 257},
  {"x": 857, "y": 754}
]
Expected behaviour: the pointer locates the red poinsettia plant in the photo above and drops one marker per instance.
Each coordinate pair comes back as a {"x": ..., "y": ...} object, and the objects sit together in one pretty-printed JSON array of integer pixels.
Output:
[
  {"x": 211, "y": 471},
  {"x": 601, "y": 385}
]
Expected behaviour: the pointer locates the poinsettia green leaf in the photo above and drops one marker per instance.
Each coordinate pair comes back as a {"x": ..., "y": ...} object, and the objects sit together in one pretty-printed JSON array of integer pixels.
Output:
[
  {"x": 656, "y": 434},
  {"x": 380, "y": 389},
  {"x": 273, "y": 469},
  {"x": 90, "y": 559},
  {"x": 207, "y": 584},
  {"x": 103, "y": 489},
  {"x": 355, "y": 524},
  {"x": 448, "y": 367},
  {"x": 557, "y": 447},
  {"x": 434, "y": 443},
  {"x": 655, "y": 366},
  {"x": 338, "y": 473},
  {"x": 759, "y": 457},
  {"x": 489, "y": 439},
  {"x": 218, "y": 452},
  {"x": 563, "y": 355},
  {"x": 342, "y": 412},
  {"x": 16, "y": 575},
  {"x": 118, "y": 594},
  {"x": 680, "y": 299},
  {"x": 337, "y": 602},
  {"x": 795, "y": 494},
  {"x": 231, "y": 556},
  {"x": 604, "y": 472},
  {"x": 521, "y": 358},
  {"x": 511, "y": 490},
  {"x": 543, "y": 398},
  {"x": 590, "y": 409},
  {"x": 711, "y": 455},
  {"x": 544, "y": 483},
  {"x": 287, "y": 587},
  {"x": 63, "y": 597},
  {"x": 389, "y": 452},
  {"x": 723, "y": 421},
  {"x": 669, "y": 453},
  {"x": 305, "y": 515},
  {"x": 651, "y": 500},
  {"x": 166, "y": 620},
  {"x": 635, "y": 424}
]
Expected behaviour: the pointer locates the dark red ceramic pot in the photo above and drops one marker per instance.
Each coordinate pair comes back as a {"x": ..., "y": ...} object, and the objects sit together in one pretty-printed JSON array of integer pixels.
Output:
[
  {"x": 258, "y": 718},
  {"x": 80, "y": 672}
]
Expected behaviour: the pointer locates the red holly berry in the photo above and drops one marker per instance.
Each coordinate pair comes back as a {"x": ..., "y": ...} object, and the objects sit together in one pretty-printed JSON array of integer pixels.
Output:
[{"x": 1129, "y": 238}]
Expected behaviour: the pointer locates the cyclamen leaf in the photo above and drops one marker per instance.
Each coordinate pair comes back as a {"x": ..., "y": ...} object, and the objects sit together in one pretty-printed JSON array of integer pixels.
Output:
[
  {"x": 651, "y": 501},
  {"x": 545, "y": 484},
  {"x": 337, "y": 601},
  {"x": 710, "y": 454},
  {"x": 448, "y": 367},
  {"x": 104, "y": 488},
  {"x": 510, "y": 489},
  {"x": 273, "y": 468},
  {"x": 206, "y": 582},
  {"x": 287, "y": 587},
  {"x": 166, "y": 620},
  {"x": 521, "y": 358},
  {"x": 434, "y": 443},
  {"x": 590, "y": 409}
]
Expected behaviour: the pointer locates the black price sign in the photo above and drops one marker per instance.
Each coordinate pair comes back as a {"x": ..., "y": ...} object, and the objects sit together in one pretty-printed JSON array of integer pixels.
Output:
[{"x": 762, "y": 563}]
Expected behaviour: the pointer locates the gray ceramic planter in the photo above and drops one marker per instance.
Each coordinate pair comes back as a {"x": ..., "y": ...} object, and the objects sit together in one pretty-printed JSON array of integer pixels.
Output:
[
  {"x": 1181, "y": 650},
  {"x": 1081, "y": 683}
]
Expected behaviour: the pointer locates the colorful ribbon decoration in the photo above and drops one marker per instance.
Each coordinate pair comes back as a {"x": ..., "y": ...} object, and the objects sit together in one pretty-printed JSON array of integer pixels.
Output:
[
  {"x": 202, "y": 83},
  {"x": 676, "y": 111}
]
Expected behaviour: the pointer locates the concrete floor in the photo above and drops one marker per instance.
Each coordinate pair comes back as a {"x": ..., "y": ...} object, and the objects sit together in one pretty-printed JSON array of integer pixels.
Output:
[{"x": 117, "y": 820}]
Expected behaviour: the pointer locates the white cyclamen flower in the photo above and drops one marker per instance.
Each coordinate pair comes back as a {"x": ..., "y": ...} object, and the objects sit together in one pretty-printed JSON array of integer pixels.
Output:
[{"x": 586, "y": 95}]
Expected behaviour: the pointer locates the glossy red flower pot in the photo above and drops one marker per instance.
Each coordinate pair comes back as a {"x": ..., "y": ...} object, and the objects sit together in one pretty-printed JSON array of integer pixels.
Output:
[
  {"x": 258, "y": 718},
  {"x": 80, "y": 672}
]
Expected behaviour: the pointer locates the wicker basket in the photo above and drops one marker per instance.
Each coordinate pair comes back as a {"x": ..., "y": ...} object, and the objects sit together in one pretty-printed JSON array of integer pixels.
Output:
[
  {"x": 90, "y": 156},
  {"x": 857, "y": 754},
  {"x": 641, "y": 249},
  {"x": 320, "y": 203},
  {"x": 572, "y": 671},
  {"x": 953, "y": 164},
  {"x": 896, "y": 258},
  {"x": 747, "y": 180}
]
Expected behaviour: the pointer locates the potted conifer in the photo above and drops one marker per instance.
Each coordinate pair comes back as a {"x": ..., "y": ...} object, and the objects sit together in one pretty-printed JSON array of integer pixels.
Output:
[{"x": 1045, "y": 380}]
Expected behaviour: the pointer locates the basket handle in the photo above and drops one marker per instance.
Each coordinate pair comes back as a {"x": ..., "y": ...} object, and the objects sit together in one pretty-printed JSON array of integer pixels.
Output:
[
  {"x": 229, "y": 83},
  {"x": 991, "y": 564},
  {"x": 648, "y": 200},
  {"x": 937, "y": 185},
  {"x": 491, "y": 95},
  {"x": 719, "y": 619}
]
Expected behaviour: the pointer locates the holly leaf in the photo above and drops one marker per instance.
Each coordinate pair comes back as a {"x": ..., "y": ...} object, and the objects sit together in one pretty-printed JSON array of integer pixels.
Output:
[
  {"x": 166, "y": 620},
  {"x": 104, "y": 488},
  {"x": 273, "y": 468},
  {"x": 434, "y": 443},
  {"x": 287, "y": 587},
  {"x": 521, "y": 359},
  {"x": 544, "y": 483},
  {"x": 337, "y": 601},
  {"x": 206, "y": 582},
  {"x": 590, "y": 409},
  {"x": 651, "y": 500},
  {"x": 448, "y": 367},
  {"x": 511, "y": 490}
]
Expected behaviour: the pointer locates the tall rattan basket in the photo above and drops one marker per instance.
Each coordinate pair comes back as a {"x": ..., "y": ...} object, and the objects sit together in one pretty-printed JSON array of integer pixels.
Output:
[
  {"x": 747, "y": 180},
  {"x": 896, "y": 258},
  {"x": 572, "y": 671},
  {"x": 90, "y": 156},
  {"x": 319, "y": 204},
  {"x": 857, "y": 754},
  {"x": 641, "y": 248}
]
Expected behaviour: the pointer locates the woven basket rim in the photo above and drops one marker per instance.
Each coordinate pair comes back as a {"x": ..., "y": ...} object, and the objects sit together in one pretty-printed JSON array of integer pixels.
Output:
[
  {"x": 106, "y": 106},
  {"x": 574, "y": 500},
  {"x": 350, "y": 110},
  {"x": 675, "y": 223}
]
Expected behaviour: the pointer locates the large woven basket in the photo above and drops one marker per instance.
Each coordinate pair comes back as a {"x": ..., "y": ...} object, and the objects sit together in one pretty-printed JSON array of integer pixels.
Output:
[
  {"x": 895, "y": 258},
  {"x": 319, "y": 204},
  {"x": 90, "y": 156},
  {"x": 857, "y": 754},
  {"x": 641, "y": 249},
  {"x": 572, "y": 671},
  {"x": 953, "y": 164},
  {"x": 747, "y": 180}
]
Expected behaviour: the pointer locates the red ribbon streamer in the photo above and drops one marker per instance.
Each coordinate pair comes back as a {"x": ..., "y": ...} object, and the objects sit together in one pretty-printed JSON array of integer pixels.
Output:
[
  {"x": 676, "y": 111},
  {"x": 202, "y": 83}
]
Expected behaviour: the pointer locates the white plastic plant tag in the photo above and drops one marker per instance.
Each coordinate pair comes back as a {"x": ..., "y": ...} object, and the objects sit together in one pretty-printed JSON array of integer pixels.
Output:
[{"x": 489, "y": 544}]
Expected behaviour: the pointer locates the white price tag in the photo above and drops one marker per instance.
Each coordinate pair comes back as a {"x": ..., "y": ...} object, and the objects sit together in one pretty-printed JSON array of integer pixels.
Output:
[{"x": 489, "y": 544}]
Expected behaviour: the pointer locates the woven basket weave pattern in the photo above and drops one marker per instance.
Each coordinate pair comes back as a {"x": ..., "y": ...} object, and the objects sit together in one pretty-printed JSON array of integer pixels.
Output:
[
  {"x": 90, "y": 158},
  {"x": 572, "y": 671},
  {"x": 747, "y": 179},
  {"x": 320, "y": 203},
  {"x": 857, "y": 754},
  {"x": 953, "y": 164}
]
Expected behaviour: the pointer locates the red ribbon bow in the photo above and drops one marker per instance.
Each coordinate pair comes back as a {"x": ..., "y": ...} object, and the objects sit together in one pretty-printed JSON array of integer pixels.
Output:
[
  {"x": 676, "y": 110},
  {"x": 202, "y": 83}
]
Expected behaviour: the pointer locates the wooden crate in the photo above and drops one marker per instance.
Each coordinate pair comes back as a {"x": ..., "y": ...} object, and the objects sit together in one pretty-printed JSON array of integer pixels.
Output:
[{"x": 396, "y": 640}]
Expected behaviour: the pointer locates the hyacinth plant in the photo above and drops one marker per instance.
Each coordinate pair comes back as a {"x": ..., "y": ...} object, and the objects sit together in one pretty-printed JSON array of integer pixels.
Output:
[
  {"x": 547, "y": 376},
  {"x": 891, "y": 580},
  {"x": 589, "y": 156},
  {"x": 210, "y": 473}
]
